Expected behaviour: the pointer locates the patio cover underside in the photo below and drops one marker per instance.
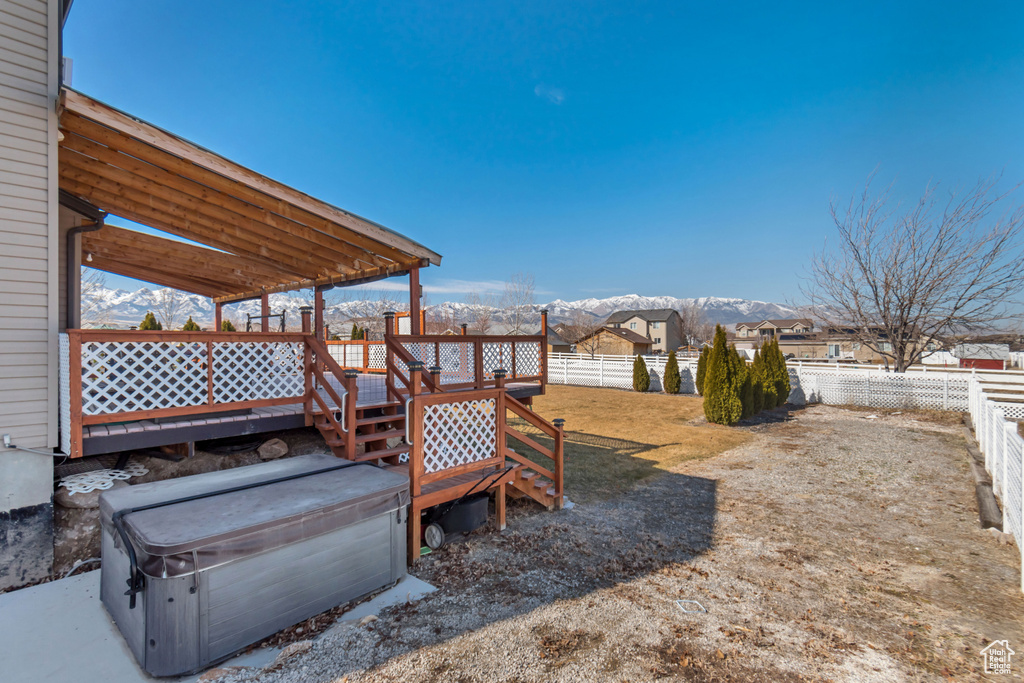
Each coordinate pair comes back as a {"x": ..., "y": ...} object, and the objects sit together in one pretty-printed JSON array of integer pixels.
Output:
[{"x": 265, "y": 237}]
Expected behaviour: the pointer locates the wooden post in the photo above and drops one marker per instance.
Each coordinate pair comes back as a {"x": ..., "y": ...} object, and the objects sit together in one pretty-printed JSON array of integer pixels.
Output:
[
  {"x": 307, "y": 374},
  {"x": 499, "y": 506},
  {"x": 499, "y": 378},
  {"x": 478, "y": 362},
  {"x": 559, "y": 424},
  {"x": 265, "y": 311},
  {"x": 423, "y": 321},
  {"x": 305, "y": 314},
  {"x": 543, "y": 350},
  {"x": 75, "y": 391},
  {"x": 318, "y": 308},
  {"x": 435, "y": 375},
  {"x": 463, "y": 329},
  {"x": 352, "y": 395},
  {"x": 414, "y": 301},
  {"x": 389, "y": 324},
  {"x": 218, "y": 317},
  {"x": 389, "y": 360}
]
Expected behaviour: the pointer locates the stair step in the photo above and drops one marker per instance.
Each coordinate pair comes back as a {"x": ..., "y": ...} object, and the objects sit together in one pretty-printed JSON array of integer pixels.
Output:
[
  {"x": 386, "y": 453},
  {"x": 389, "y": 404},
  {"x": 527, "y": 475},
  {"x": 335, "y": 443},
  {"x": 550, "y": 491},
  {"x": 380, "y": 436},
  {"x": 377, "y": 420}
]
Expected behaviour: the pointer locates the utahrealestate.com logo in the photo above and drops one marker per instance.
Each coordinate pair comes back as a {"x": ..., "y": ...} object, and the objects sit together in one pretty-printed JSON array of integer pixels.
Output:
[{"x": 997, "y": 657}]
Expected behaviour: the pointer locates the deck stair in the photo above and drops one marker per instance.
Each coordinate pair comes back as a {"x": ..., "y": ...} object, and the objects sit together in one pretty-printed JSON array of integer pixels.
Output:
[{"x": 529, "y": 483}]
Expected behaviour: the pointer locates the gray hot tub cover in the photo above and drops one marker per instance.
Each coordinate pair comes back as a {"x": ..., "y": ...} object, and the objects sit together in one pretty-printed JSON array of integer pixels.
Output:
[{"x": 186, "y": 537}]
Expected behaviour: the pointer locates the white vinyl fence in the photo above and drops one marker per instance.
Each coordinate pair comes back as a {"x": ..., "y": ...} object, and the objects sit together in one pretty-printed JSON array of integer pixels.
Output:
[
  {"x": 615, "y": 372},
  {"x": 1003, "y": 448}
]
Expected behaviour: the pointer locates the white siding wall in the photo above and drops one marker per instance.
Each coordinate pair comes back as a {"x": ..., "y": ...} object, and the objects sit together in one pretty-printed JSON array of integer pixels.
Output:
[{"x": 28, "y": 239}]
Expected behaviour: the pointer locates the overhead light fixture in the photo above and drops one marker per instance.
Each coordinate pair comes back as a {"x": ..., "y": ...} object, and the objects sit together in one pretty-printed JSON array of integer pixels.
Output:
[{"x": 88, "y": 257}]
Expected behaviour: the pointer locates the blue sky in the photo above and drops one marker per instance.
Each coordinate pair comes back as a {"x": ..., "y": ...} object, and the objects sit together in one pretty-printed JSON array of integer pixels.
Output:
[{"x": 667, "y": 148}]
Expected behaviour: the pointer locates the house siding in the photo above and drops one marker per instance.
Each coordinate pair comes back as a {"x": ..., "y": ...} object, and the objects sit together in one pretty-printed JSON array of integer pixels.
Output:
[
  {"x": 27, "y": 92},
  {"x": 28, "y": 284}
]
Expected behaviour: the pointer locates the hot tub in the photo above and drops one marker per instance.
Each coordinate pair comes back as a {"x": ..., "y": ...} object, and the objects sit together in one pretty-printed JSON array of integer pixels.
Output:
[{"x": 248, "y": 552}]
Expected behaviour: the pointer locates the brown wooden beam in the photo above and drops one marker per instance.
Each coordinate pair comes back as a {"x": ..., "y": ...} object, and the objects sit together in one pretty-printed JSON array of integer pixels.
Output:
[
  {"x": 83, "y": 154},
  {"x": 177, "y": 224},
  {"x": 362, "y": 277},
  {"x": 414, "y": 301},
  {"x": 179, "y": 156},
  {"x": 77, "y": 168},
  {"x": 265, "y": 311}
]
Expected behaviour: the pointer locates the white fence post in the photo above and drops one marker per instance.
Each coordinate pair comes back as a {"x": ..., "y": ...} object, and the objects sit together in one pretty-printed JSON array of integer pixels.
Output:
[{"x": 600, "y": 382}]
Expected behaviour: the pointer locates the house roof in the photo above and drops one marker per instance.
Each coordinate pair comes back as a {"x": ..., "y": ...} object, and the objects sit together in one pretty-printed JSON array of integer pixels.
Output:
[
  {"x": 628, "y": 335},
  {"x": 788, "y": 322},
  {"x": 982, "y": 351},
  {"x": 263, "y": 235},
  {"x": 650, "y": 315}
]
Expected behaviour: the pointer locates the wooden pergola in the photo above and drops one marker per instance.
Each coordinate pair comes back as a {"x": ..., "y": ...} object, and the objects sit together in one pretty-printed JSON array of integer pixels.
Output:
[{"x": 260, "y": 236}]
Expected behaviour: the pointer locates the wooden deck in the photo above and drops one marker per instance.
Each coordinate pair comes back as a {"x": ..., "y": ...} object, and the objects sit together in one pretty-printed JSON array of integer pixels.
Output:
[{"x": 112, "y": 438}]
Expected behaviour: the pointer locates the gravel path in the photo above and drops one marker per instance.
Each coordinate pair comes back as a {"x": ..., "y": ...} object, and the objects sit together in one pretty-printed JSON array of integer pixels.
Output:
[{"x": 831, "y": 547}]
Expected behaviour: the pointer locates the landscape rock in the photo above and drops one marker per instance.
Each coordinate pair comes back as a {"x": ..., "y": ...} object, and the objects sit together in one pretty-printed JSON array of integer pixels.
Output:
[
  {"x": 275, "y": 448},
  {"x": 85, "y": 501}
]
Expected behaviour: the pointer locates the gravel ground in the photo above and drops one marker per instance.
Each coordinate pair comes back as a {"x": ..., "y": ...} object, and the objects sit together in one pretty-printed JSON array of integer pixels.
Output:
[{"x": 832, "y": 546}]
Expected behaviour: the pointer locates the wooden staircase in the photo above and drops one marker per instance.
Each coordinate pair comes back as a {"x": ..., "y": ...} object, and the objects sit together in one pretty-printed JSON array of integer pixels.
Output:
[
  {"x": 375, "y": 427},
  {"x": 529, "y": 483}
]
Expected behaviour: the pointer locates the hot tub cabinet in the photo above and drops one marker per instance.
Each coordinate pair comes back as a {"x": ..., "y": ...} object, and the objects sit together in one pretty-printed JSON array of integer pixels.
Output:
[{"x": 227, "y": 558}]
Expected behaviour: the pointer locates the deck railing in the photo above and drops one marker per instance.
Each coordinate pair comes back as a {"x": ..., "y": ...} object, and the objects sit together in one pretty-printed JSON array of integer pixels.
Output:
[
  {"x": 117, "y": 376},
  {"x": 365, "y": 356}
]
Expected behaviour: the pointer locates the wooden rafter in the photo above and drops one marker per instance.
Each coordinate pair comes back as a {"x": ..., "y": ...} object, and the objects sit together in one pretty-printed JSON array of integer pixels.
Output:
[{"x": 266, "y": 237}]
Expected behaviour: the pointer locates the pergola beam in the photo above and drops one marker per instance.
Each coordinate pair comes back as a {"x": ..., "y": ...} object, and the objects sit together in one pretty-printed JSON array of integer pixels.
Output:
[
  {"x": 363, "y": 277},
  {"x": 151, "y": 135}
]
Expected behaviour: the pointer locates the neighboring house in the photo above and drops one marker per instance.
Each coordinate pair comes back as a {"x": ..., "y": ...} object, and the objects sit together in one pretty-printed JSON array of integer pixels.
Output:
[
  {"x": 983, "y": 356},
  {"x": 614, "y": 341},
  {"x": 557, "y": 343},
  {"x": 662, "y": 326},
  {"x": 835, "y": 344},
  {"x": 751, "y": 335}
]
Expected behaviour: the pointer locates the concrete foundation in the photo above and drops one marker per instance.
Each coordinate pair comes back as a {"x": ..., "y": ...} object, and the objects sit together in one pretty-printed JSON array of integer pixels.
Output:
[{"x": 26, "y": 544}]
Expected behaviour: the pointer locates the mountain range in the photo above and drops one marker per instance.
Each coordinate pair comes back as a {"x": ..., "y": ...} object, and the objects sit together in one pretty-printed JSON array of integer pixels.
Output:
[{"x": 122, "y": 308}]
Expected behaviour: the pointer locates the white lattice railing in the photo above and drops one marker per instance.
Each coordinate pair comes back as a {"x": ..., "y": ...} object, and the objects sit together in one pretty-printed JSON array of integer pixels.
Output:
[
  {"x": 453, "y": 433},
  {"x": 114, "y": 376},
  {"x": 367, "y": 356}
]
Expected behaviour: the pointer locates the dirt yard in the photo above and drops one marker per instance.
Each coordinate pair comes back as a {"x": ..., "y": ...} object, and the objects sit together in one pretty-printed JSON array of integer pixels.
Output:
[{"x": 825, "y": 544}]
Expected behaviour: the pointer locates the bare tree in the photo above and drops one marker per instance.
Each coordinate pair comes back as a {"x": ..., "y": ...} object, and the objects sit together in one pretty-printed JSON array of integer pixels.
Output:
[
  {"x": 581, "y": 329},
  {"x": 695, "y": 328},
  {"x": 481, "y": 312},
  {"x": 94, "y": 283},
  {"x": 901, "y": 277},
  {"x": 379, "y": 305},
  {"x": 169, "y": 305},
  {"x": 517, "y": 303}
]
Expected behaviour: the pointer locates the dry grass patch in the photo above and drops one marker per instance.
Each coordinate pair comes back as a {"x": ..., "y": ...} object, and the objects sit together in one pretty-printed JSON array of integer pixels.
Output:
[{"x": 615, "y": 439}]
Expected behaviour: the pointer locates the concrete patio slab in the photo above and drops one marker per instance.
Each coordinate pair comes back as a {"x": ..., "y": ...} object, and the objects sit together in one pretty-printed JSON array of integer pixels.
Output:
[{"x": 59, "y": 632}]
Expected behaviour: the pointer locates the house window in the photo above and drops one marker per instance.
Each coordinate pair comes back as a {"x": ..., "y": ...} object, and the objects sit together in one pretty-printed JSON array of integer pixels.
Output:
[
  {"x": 657, "y": 340},
  {"x": 655, "y": 325},
  {"x": 855, "y": 346},
  {"x": 833, "y": 350},
  {"x": 632, "y": 326},
  {"x": 885, "y": 347}
]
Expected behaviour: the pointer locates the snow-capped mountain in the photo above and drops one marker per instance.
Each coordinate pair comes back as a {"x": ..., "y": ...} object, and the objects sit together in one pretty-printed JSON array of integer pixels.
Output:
[{"x": 121, "y": 308}]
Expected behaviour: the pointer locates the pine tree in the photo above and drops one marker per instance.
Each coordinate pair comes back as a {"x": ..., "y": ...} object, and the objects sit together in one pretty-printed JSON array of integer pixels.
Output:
[
  {"x": 356, "y": 332},
  {"x": 721, "y": 388},
  {"x": 745, "y": 382},
  {"x": 641, "y": 377},
  {"x": 227, "y": 326},
  {"x": 190, "y": 326},
  {"x": 782, "y": 386},
  {"x": 702, "y": 369},
  {"x": 672, "y": 382},
  {"x": 757, "y": 382},
  {"x": 150, "y": 322}
]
